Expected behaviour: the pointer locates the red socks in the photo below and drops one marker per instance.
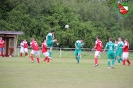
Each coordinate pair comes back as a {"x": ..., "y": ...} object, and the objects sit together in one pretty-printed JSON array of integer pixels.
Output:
[
  {"x": 96, "y": 61},
  {"x": 32, "y": 58},
  {"x": 46, "y": 59},
  {"x": 128, "y": 61},
  {"x": 26, "y": 54},
  {"x": 124, "y": 62},
  {"x": 20, "y": 54},
  {"x": 38, "y": 60}
]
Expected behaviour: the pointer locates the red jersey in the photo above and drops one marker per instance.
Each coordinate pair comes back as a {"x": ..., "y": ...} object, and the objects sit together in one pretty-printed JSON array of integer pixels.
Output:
[
  {"x": 25, "y": 44},
  {"x": 2, "y": 42},
  {"x": 98, "y": 45},
  {"x": 34, "y": 45},
  {"x": 44, "y": 47},
  {"x": 126, "y": 47}
]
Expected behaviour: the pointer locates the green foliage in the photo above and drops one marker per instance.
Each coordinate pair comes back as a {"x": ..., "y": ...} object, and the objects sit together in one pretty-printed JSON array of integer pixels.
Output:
[{"x": 86, "y": 18}]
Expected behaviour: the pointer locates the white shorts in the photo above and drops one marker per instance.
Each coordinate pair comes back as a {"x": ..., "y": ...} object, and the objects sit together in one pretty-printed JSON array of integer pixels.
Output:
[
  {"x": 35, "y": 52},
  {"x": 97, "y": 53},
  {"x": 25, "y": 49},
  {"x": 125, "y": 55},
  {"x": 21, "y": 50},
  {"x": 46, "y": 54}
]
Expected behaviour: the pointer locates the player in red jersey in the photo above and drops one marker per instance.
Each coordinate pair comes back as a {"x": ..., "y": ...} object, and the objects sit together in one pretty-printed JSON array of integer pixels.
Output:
[
  {"x": 45, "y": 52},
  {"x": 25, "y": 47},
  {"x": 98, "y": 46},
  {"x": 126, "y": 53},
  {"x": 2, "y": 43},
  {"x": 35, "y": 50}
]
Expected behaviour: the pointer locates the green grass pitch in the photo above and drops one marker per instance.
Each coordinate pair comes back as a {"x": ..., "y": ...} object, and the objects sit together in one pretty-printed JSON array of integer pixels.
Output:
[{"x": 16, "y": 72}]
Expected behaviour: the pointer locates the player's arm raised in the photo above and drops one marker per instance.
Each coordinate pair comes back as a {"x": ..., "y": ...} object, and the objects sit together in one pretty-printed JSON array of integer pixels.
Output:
[
  {"x": 76, "y": 46},
  {"x": 82, "y": 44}
]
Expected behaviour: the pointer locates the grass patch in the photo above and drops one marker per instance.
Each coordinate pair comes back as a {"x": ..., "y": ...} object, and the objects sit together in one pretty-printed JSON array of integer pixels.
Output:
[{"x": 63, "y": 72}]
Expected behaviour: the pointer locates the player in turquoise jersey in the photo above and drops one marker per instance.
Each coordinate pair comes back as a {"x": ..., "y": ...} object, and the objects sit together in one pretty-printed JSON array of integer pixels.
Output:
[
  {"x": 49, "y": 41},
  {"x": 110, "y": 47},
  {"x": 119, "y": 49},
  {"x": 78, "y": 50}
]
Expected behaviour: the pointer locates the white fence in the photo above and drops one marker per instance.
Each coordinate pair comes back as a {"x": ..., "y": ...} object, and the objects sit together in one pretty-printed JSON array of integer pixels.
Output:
[
  {"x": 56, "y": 48},
  {"x": 60, "y": 50}
]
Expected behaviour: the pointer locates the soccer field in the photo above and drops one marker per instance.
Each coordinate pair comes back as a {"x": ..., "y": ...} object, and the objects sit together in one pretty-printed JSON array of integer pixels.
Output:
[{"x": 16, "y": 72}]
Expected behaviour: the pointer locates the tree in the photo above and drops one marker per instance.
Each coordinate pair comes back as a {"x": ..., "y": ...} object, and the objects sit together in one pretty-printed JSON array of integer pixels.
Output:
[{"x": 86, "y": 18}]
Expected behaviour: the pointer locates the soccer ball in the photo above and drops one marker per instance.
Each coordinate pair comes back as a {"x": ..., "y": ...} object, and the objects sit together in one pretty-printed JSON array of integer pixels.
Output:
[{"x": 66, "y": 26}]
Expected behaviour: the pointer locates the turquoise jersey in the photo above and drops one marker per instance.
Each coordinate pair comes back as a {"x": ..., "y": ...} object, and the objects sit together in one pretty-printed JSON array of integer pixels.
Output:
[
  {"x": 116, "y": 50},
  {"x": 116, "y": 47},
  {"x": 49, "y": 37},
  {"x": 119, "y": 47},
  {"x": 79, "y": 45},
  {"x": 110, "y": 47},
  {"x": 49, "y": 40}
]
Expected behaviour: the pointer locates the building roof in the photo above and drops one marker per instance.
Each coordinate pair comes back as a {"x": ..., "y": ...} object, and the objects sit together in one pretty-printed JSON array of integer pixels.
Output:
[{"x": 11, "y": 32}]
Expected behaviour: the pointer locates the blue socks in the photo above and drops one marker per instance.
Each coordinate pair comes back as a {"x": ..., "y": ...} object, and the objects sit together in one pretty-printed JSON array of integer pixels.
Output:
[
  {"x": 119, "y": 60},
  {"x": 113, "y": 62},
  {"x": 50, "y": 53},
  {"x": 108, "y": 63},
  {"x": 78, "y": 59}
]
